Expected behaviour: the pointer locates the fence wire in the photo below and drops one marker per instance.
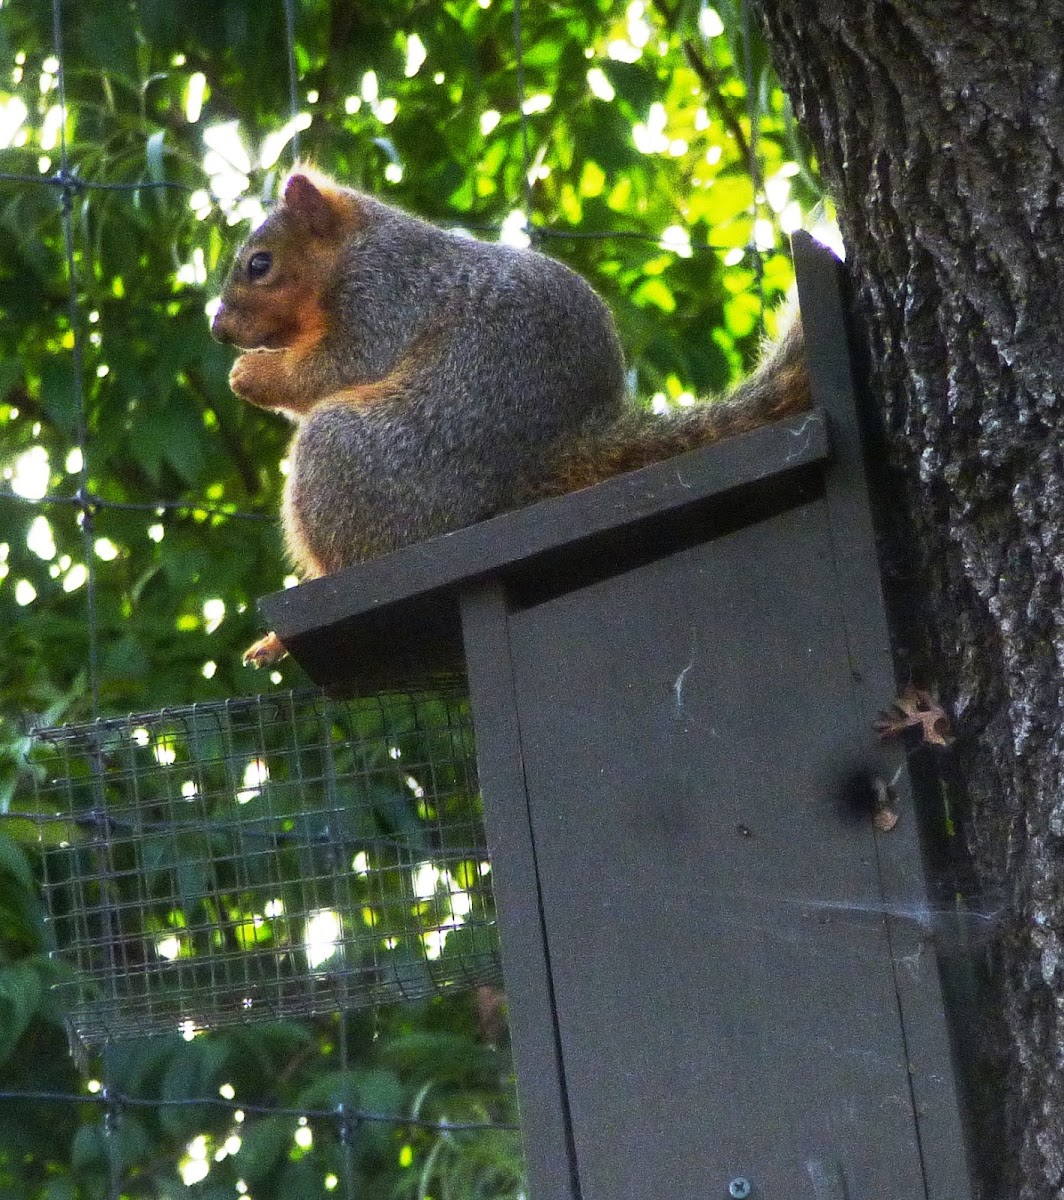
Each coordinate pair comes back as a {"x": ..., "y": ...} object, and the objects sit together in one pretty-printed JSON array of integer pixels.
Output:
[{"x": 116, "y": 1099}]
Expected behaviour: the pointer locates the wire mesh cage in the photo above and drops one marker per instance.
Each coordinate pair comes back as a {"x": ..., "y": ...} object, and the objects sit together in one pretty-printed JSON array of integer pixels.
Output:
[{"x": 285, "y": 855}]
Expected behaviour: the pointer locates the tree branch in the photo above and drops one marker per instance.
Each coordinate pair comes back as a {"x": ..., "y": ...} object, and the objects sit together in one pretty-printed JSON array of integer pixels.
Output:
[{"x": 711, "y": 81}]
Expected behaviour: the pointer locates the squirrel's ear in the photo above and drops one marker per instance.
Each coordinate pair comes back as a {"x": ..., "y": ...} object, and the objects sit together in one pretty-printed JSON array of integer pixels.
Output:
[{"x": 310, "y": 205}]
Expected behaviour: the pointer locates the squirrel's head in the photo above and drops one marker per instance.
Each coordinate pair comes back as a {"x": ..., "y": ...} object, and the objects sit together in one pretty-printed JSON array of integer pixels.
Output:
[{"x": 272, "y": 298}]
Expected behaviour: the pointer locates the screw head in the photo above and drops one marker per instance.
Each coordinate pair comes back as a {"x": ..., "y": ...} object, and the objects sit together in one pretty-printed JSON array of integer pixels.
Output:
[{"x": 739, "y": 1188}]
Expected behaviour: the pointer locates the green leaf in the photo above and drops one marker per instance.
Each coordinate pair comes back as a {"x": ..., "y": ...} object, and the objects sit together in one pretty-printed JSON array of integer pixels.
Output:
[
  {"x": 58, "y": 392},
  {"x": 155, "y": 151},
  {"x": 89, "y": 1149},
  {"x": 13, "y": 862},
  {"x": 265, "y": 1141},
  {"x": 21, "y": 990}
]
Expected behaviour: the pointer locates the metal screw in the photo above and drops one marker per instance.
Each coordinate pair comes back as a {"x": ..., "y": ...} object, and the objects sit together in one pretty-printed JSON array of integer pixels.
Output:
[{"x": 739, "y": 1188}]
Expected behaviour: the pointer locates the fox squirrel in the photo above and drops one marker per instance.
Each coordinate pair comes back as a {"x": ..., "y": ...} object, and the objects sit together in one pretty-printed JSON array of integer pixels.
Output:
[{"x": 436, "y": 380}]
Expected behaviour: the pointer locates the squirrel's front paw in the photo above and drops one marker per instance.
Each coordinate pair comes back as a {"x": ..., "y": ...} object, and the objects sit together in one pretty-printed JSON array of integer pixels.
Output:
[
  {"x": 265, "y": 652},
  {"x": 253, "y": 376}
]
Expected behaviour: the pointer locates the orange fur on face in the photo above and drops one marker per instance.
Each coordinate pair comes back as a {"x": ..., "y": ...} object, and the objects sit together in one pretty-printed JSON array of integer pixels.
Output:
[{"x": 310, "y": 328}]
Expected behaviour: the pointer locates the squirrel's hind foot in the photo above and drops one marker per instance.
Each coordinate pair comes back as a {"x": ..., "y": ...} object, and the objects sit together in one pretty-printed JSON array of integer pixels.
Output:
[{"x": 265, "y": 652}]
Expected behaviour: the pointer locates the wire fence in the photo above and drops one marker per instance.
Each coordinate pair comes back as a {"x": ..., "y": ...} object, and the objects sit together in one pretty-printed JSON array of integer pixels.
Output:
[
  {"x": 100, "y": 1099},
  {"x": 114, "y": 1103},
  {"x": 264, "y": 858}
]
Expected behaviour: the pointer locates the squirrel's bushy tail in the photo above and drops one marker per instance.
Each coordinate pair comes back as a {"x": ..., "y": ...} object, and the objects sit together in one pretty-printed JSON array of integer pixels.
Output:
[{"x": 637, "y": 438}]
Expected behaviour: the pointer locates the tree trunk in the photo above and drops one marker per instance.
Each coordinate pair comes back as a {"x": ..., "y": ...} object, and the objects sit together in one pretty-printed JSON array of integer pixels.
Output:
[{"x": 939, "y": 127}]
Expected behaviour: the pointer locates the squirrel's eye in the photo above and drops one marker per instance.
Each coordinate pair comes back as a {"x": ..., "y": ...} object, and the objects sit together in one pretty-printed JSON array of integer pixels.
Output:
[{"x": 259, "y": 263}]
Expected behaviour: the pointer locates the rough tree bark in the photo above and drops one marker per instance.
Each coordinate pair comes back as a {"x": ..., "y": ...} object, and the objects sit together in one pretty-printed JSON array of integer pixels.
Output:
[{"x": 939, "y": 127}]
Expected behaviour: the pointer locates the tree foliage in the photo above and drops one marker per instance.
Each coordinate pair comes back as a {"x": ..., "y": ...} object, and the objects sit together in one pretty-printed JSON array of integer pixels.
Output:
[{"x": 658, "y": 127}]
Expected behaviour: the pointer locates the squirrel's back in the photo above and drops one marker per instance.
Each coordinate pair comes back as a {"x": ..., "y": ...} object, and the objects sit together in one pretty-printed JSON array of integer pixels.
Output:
[{"x": 513, "y": 318}]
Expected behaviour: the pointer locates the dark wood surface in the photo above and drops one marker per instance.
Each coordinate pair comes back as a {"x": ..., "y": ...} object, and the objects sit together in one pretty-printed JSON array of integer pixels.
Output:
[
  {"x": 536, "y": 1040},
  {"x": 723, "y": 976}
]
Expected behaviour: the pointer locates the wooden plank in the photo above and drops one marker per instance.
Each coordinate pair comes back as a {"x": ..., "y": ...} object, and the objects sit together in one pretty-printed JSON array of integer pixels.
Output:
[
  {"x": 356, "y": 622},
  {"x": 825, "y": 307},
  {"x": 549, "y": 1153}
]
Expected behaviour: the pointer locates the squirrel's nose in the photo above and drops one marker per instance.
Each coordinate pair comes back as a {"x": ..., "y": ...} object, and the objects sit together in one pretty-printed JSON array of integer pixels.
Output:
[{"x": 219, "y": 329}]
